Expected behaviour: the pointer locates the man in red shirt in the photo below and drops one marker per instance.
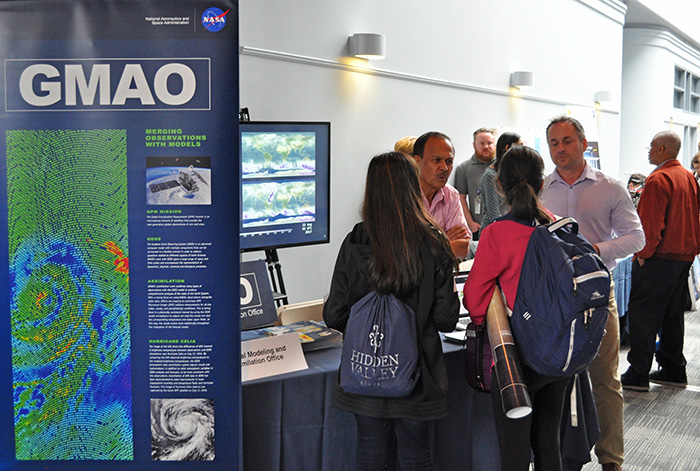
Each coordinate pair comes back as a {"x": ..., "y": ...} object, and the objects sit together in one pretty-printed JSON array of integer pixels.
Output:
[{"x": 670, "y": 212}]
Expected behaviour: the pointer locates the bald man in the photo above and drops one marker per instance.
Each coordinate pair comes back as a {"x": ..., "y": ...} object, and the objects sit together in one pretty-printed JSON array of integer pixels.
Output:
[{"x": 669, "y": 209}]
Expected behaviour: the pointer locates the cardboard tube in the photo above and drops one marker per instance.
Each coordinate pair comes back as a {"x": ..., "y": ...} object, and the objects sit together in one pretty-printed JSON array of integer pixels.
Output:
[{"x": 514, "y": 396}]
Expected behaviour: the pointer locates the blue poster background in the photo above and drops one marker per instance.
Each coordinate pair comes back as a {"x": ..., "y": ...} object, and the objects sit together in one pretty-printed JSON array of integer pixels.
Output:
[{"x": 105, "y": 105}]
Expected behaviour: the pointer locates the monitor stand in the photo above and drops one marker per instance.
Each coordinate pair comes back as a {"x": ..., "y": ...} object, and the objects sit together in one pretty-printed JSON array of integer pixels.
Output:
[{"x": 279, "y": 292}]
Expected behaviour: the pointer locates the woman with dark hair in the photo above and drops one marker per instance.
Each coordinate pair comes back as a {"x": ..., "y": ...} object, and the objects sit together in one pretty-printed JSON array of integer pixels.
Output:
[
  {"x": 492, "y": 197},
  {"x": 498, "y": 262},
  {"x": 397, "y": 249}
]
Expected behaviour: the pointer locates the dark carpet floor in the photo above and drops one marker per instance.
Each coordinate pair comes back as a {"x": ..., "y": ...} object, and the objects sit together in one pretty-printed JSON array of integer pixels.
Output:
[{"x": 662, "y": 426}]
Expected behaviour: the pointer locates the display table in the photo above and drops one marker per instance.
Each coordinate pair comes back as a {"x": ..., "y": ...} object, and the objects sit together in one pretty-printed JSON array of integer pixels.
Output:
[
  {"x": 465, "y": 439},
  {"x": 289, "y": 422}
]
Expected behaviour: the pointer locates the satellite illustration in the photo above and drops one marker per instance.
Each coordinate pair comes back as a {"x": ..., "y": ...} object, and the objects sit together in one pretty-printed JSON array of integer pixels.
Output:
[{"x": 178, "y": 180}]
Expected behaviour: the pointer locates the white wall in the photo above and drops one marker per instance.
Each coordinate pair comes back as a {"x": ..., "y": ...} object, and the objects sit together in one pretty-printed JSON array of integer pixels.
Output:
[
  {"x": 682, "y": 14},
  {"x": 649, "y": 61},
  {"x": 447, "y": 68}
]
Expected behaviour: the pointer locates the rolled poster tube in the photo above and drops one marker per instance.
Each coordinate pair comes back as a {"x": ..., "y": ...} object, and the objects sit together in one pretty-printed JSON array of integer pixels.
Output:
[{"x": 514, "y": 396}]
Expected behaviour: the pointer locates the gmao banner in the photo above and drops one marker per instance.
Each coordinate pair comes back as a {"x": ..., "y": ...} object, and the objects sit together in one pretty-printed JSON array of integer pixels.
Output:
[{"x": 119, "y": 344}]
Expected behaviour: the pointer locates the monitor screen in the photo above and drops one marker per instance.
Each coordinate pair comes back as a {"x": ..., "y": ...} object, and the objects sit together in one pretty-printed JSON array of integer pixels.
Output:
[{"x": 285, "y": 184}]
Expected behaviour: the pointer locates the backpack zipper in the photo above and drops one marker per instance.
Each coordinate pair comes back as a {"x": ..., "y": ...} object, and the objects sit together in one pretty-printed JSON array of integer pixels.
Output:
[
  {"x": 587, "y": 316},
  {"x": 571, "y": 345},
  {"x": 587, "y": 277}
]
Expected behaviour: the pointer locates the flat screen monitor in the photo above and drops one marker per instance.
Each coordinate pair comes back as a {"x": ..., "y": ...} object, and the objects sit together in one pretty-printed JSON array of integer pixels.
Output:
[{"x": 285, "y": 184}]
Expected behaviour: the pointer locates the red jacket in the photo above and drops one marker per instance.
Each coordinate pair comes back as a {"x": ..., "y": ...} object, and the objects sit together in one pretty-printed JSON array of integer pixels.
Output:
[
  {"x": 670, "y": 212},
  {"x": 499, "y": 256}
]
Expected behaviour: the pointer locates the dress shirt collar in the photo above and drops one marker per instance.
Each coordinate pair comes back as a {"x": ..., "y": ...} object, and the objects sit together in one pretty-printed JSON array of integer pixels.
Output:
[
  {"x": 438, "y": 196},
  {"x": 663, "y": 163},
  {"x": 587, "y": 174}
]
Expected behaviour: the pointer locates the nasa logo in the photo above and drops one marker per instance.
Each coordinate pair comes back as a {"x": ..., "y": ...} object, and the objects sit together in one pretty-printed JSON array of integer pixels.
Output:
[{"x": 214, "y": 19}]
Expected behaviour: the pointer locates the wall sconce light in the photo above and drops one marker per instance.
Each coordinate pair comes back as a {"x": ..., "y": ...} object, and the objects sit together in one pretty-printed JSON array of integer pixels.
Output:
[
  {"x": 371, "y": 46},
  {"x": 603, "y": 96},
  {"x": 522, "y": 78}
]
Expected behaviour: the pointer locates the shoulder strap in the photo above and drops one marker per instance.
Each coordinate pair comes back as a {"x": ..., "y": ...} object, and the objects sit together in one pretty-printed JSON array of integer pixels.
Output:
[
  {"x": 567, "y": 221},
  {"x": 509, "y": 217}
]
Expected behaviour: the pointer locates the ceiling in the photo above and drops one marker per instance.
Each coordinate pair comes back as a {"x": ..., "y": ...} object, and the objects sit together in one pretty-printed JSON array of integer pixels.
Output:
[{"x": 639, "y": 14}]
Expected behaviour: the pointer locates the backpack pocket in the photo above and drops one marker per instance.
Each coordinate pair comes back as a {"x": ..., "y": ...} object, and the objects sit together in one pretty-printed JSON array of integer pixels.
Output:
[
  {"x": 591, "y": 282},
  {"x": 530, "y": 333},
  {"x": 579, "y": 347}
]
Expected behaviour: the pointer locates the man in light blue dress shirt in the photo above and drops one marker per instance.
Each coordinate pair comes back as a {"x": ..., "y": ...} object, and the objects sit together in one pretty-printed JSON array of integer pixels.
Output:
[{"x": 607, "y": 218}]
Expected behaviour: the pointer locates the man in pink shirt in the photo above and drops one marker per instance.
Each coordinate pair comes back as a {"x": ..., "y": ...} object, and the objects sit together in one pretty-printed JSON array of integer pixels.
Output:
[{"x": 434, "y": 154}]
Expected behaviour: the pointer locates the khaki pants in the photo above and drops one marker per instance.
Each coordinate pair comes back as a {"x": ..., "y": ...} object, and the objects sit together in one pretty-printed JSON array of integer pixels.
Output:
[{"x": 607, "y": 389}]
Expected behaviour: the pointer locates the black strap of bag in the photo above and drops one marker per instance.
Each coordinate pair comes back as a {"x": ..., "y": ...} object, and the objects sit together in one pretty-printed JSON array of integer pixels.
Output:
[{"x": 478, "y": 357}]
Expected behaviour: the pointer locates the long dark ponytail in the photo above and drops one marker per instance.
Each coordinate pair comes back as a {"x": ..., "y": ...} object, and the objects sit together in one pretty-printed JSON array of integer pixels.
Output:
[{"x": 521, "y": 174}]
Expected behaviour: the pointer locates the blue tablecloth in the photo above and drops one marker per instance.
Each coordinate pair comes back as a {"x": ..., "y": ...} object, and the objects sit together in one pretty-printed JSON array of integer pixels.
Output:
[
  {"x": 466, "y": 439},
  {"x": 290, "y": 424},
  {"x": 622, "y": 276}
]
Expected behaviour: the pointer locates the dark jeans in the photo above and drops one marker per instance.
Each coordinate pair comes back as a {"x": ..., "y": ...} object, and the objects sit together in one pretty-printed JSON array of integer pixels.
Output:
[
  {"x": 412, "y": 443},
  {"x": 657, "y": 302},
  {"x": 539, "y": 431}
]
